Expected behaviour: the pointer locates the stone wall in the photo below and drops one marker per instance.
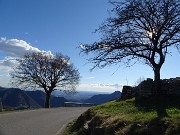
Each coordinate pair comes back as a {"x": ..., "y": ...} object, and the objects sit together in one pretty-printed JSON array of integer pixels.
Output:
[
  {"x": 168, "y": 87},
  {"x": 145, "y": 88},
  {"x": 171, "y": 86},
  {"x": 127, "y": 92}
]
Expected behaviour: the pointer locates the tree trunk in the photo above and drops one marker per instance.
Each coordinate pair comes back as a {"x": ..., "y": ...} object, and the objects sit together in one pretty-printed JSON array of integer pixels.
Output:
[
  {"x": 157, "y": 81},
  {"x": 47, "y": 103},
  {"x": 157, "y": 74}
]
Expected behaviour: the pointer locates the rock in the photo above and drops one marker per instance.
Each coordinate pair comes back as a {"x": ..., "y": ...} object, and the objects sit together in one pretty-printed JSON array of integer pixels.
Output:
[
  {"x": 127, "y": 92},
  {"x": 98, "y": 131},
  {"x": 168, "y": 87}
]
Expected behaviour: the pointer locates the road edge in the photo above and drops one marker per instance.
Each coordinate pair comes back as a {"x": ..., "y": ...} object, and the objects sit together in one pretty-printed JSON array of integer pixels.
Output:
[{"x": 61, "y": 130}]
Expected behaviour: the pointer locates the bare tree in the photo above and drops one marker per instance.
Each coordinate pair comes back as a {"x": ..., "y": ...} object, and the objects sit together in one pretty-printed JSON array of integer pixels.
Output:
[
  {"x": 138, "y": 31},
  {"x": 46, "y": 71}
]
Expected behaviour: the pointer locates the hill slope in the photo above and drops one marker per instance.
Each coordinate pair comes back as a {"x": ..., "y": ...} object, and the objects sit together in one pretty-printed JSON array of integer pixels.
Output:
[
  {"x": 40, "y": 96},
  {"x": 103, "y": 98},
  {"x": 140, "y": 116},
  {"x": 19, "y": 99}
]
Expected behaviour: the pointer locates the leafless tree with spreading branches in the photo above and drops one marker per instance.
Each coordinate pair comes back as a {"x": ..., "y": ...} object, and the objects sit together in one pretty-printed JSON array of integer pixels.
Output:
[
  {"x": 138, "y": 30},
  {"x": 40, "y": 70}
]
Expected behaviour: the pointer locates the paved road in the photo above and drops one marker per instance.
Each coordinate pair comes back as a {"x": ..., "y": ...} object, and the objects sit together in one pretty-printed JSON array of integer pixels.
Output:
[{"x": 38, "y": 122}]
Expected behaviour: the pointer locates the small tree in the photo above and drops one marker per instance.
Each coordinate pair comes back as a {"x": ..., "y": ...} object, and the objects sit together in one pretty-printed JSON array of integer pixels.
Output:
[
  {"x": 46, "y": 71},
  {"x": 140, "y": 30}
]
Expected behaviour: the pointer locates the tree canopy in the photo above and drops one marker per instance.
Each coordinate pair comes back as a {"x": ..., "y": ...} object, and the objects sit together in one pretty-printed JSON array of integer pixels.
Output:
[
  {"x": 137, "y": 31},
  {"x": 40, "y": 70}
]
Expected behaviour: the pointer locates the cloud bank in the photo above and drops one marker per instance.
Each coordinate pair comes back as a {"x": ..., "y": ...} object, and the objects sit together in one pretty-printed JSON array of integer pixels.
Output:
[
  {"x": 100, "y": 87},
  {"x": 7, "y": 62},
  {"x": 13, "y": 49}
]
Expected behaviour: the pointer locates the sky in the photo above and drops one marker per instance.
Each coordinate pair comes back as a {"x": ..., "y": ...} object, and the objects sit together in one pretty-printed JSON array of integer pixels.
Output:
[{"x": 61, "y": 26}]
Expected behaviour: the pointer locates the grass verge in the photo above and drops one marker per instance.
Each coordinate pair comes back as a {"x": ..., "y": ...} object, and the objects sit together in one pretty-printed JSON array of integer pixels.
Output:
[{"x": 138, "y": 116}]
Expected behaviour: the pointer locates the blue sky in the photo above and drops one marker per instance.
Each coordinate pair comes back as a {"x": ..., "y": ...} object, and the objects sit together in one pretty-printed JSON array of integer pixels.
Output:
[{"x": 61, "y": 26}]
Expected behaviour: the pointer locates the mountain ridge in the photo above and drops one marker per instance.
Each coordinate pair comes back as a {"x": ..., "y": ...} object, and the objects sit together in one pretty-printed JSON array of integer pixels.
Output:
[
  {"x": 103, "y": 98},
  {"x": 20, "y": 99}
]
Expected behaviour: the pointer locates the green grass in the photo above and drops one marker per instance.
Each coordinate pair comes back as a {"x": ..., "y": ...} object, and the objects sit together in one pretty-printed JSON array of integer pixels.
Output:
[
  {"x": 139, "y": 111},
  {"x": 155, "y": 115},
  {"x": 125, "y": 110}
]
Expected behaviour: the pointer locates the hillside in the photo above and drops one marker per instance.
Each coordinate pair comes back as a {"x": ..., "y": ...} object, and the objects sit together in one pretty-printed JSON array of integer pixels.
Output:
[
  {"x": 79, "y": 96},
  {"x": 39, "y": 97},
  {"x": 103, "y": 98},
  {"x": 136, "y": 116},
  {"x": 18, "y": 99}
]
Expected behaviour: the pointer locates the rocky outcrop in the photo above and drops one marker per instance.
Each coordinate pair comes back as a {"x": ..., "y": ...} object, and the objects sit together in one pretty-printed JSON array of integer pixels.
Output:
[
  {"x": 127, "y": 92},
  {"x": 171, "y": 86},
  {"x": 168, "y": 87}
]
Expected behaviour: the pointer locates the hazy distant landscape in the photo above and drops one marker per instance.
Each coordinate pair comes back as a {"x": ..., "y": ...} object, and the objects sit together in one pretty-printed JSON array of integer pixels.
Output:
[
  {"x": 14, "y": 98},
  {"x": 79, "y": 95}
]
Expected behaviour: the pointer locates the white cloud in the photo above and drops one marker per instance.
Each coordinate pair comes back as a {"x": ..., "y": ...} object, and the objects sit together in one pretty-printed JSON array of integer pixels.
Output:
[
  {"x": 87, "y": 78},
  {"x": 8, "y": 61},
  {"x": 100, "y": 87},
  {"x": 5, "y": 79},
  {"x": 13, "y": 49}
]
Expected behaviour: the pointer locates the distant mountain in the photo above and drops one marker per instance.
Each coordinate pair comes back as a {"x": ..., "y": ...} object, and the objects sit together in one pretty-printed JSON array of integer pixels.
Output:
[
  {"x": 19, "y": 99},
  {"x": 103, "y": 98},
  {"x": 16, "y": 98},
  {"x": 80, "y": 96},
  {"x": 58, "y": 101},
  {"x": 40, "y": 96}
]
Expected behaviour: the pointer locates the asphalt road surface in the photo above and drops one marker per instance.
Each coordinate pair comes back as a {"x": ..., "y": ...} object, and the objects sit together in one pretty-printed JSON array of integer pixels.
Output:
[{"x": 38, "y": 122}]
